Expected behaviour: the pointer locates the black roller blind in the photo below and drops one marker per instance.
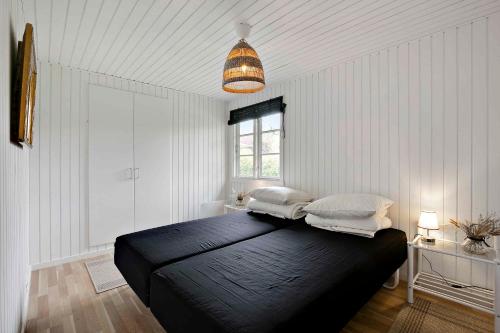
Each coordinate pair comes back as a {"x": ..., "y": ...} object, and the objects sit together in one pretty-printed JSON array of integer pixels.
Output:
[{"x": 258, "y": 110}]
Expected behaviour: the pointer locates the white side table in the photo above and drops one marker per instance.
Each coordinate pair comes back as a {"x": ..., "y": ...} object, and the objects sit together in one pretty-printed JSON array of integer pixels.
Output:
[
  {"x": 478, "y": 298},
  {"x": 233, "y": 208}
]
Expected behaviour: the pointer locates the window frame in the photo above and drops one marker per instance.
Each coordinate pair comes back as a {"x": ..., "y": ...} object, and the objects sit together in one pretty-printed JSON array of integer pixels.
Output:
[
  {"x": 257, "y": 151},
  {"x": 237, "y": 151}
]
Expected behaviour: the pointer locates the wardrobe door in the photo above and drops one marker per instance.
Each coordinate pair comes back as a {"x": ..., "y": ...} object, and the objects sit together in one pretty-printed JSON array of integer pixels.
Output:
[
  {"x": 152, "y": 117},
  {"x": 111, "y": 183}
]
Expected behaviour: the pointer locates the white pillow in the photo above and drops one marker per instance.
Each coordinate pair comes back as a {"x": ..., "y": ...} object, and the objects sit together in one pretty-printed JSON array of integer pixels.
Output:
[
  {"x": 372, "y": 223},
  {"x": 293, "y": 211},
  {"x": 362, "y": 227},
  {"x": 280, "y": 195},
  {"x": 350, "y": 206}
]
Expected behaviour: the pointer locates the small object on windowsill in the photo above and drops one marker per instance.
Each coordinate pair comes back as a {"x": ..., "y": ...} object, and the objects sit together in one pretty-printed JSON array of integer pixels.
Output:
[
  {"x": 428, "y": 220},
  {"x": 240, "y": 198},
  {"x": 477, "y": 233}
]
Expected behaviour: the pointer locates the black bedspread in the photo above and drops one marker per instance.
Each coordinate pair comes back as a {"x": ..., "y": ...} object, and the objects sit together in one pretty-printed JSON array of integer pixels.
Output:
[
  {"x": 138, "y": 254},
  {"x": 297, "y": 278}
]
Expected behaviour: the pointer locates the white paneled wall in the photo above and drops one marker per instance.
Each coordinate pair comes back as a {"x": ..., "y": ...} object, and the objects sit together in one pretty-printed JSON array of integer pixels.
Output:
[
  {"x": 59, "y": 159},
  {"x": 418, "y": 122},
  {"x": 14, "y": 184}
]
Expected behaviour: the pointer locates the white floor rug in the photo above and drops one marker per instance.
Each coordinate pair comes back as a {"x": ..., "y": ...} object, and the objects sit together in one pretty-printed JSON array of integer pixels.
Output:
[{"x": 104, "y": 274}]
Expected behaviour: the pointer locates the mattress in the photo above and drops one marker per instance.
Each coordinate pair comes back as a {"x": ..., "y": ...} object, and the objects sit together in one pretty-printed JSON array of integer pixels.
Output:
[
  {"x": 297, "y": 278},
  {"x": 138, "y": 254}
]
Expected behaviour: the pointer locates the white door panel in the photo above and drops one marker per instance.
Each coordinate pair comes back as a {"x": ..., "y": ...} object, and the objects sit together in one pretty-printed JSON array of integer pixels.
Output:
[
  {"x": 111, "y": 183},
  {"x": 152, "y": 117}
]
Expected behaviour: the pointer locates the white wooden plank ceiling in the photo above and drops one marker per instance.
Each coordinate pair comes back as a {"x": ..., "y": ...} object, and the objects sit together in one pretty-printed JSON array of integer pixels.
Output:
[{"x": 182, "y": 44}]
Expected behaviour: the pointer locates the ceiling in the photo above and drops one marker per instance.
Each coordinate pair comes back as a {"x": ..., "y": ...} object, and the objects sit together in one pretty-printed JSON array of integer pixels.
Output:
[{"x": 182, "y": 44}]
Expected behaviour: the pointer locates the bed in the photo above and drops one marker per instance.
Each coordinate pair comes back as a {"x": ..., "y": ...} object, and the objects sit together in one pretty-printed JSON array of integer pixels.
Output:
[
  {"x": 138, "y": 254},
  {"x": 294, "y": 278}
]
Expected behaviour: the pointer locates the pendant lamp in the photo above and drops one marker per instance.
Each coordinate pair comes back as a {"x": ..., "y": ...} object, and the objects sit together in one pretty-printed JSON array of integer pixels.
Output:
[{"x": 243, "y": 71}]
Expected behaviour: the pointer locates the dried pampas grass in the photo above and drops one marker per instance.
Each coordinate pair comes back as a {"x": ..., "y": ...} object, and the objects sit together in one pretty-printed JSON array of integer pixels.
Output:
[
  {"x": 485, "y": 227},
  {"x": 477, "y": 233}
]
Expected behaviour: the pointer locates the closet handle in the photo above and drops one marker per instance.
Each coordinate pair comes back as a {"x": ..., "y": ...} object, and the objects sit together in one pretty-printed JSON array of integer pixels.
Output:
[
  {"x": 136, "y": 173},
  {"x": 130, "y": 173}
]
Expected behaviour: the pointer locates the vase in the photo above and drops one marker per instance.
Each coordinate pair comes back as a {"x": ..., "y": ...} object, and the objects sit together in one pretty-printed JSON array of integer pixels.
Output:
[{"x": 474, "y": 246}]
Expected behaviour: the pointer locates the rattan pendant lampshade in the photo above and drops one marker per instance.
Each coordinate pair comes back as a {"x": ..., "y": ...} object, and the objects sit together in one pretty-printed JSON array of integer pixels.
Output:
[{"x": 243, "y": 71}]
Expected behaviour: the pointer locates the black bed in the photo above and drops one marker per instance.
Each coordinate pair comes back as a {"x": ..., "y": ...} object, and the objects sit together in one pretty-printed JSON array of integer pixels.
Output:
[
  {"x": 138, "y": 254},
  {"x": 296, "y": 278}
]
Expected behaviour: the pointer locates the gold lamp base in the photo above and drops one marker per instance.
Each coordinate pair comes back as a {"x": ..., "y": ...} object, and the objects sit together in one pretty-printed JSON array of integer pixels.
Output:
[{"x": 428, "y": 240}]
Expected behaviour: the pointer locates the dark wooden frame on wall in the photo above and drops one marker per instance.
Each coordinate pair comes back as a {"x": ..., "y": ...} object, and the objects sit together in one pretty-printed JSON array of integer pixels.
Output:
[{"x": 23, "y": 108}]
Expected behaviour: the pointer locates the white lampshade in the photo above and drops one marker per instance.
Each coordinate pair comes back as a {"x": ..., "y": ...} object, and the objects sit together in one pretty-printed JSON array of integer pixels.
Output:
[{"x": 428, "y": 220}]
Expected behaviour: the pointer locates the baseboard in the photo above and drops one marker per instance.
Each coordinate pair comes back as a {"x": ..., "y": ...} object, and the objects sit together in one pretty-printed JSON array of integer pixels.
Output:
[{"x": 71, "y": 259}]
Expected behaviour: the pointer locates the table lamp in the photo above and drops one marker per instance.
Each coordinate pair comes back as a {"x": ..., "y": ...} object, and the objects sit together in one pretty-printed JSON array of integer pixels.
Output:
[{"x": 428, "y": 220}]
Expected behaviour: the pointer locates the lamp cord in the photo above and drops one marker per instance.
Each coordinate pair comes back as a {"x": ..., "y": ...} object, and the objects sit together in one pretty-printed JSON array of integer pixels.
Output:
[{"x": 453, "y": 285}]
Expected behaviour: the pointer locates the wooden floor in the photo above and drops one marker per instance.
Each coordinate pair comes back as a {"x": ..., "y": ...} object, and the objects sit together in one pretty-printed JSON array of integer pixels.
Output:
[{"x": 62, "y": 299}]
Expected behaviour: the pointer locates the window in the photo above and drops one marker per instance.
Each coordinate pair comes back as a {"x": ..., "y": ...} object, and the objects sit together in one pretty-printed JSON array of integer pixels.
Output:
[{"x": 258, "y": 147}]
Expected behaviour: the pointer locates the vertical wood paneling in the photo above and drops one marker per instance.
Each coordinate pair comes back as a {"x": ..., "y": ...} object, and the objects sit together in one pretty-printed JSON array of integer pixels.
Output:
[
  {"x": 43, "y": 146},
  {"x": 493, "y": 116},
  {"x": 59, "y": 159},
  {"x": 366, "y": 126},
  {"x": 403, "y": 136},
  {"x": 342, "y": 130},
  {"x": 303, "y": 134},
  {"x": 313, "y": 147},
  {"x": 394, "y": 142},
  {"x": 328, "y": 139},
  {"x": 415, "y": 122},
  {"x": 374, "y": 123},
  {"x": 14, "y": 184},
  {"x": 425, "y": 137},
  {"x": 357, "y": 124},
  {"x": 383, "y": 86},
  {"x": 349, "y": 130},
  {"x": 414, "y": 128},
  {"x": 450, "y": 157},
  {"x": 175, "y": 158},
  {"x": 54, "y": 166},
  {"x": 34, "y": 202},
  {"x": 464, "y": 181},
  {"x": 74, "y": 167},
  {"x": 320, "y": 147},
  {"x": 309, "y": 122},
  {"x": 65, "y": 162},
  {"x": 435, "y": 198},
  {"x": 83, "y": 163},
  {"x": 479, "y": 130},
  {"x": 335, "y": 128}
]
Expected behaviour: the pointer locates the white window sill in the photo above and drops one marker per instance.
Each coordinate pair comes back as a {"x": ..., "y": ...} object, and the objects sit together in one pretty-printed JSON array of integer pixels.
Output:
[{"x": 246, "y": 180}]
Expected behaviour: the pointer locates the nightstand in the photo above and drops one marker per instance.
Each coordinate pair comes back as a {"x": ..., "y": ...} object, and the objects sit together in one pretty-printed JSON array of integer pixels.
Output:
[
  {"x": 478, "y": 298},
  {"x": 233, "y": 208}
]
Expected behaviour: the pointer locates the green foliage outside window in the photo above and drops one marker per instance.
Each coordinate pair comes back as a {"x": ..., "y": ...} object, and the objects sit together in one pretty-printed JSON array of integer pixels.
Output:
[
  {"x": 270, "y": 165},
  {"x": 246, "y": 166}
]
